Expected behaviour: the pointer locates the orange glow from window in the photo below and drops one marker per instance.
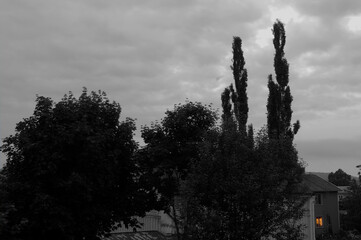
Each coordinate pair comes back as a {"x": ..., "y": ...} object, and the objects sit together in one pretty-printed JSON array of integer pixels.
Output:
[{"x": 319, "y": 222}]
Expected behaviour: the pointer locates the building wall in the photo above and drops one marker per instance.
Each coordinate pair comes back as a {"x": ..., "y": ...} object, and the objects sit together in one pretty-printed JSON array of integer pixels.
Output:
[
  {"x": 342, "y": 194},
  {"x": 308, "y": 219},
  {"x": 153, "y": 221},
  {"x": 328, "y": 210}
]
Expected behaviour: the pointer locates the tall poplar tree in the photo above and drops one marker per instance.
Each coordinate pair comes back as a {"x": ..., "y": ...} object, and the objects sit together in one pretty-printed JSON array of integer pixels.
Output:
[
  {"x": 226, "y": 105},
  {"x": 239, "y": 94},
  {"x": 279, "y": 112},
  {"x": 246, "y": 187}
]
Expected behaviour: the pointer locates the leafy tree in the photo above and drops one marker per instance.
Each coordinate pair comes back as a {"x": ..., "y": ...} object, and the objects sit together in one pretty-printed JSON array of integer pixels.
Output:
[
  {"x": 6, "y": 208},
  {"x": 239, "y": 95},
  {"x": 352, "y": 205},
  {"x": 339, "y": 178},
  {"x": 170, "y": 147},
  {"x": 70, "y": 172},
  {"x": 226, "y": 105},
  {"x": 244, "y": 188},
  {"x": 279, "y": 112},
  {"x": 234, "y": 192}
]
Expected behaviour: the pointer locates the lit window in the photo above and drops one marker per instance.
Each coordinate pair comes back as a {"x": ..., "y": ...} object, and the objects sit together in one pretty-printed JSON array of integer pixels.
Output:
[{"x": 319, "y": 222}]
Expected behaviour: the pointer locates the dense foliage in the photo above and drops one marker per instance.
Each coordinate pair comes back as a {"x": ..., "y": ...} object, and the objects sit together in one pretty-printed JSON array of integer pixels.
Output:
[
  {"x": 235, "y": 192},
  {"x": 173, "y": 143},
  {"x": 239, "y": 95},
  {"x": 171, "y": 146},
  {"x": 352, "y": 205},
  {"x": 69, "y": 172},
  {"x": 279, "y": 112},
  {"x": 241, "y": 187},
  {"x": 339, "y": 178},
  {"x": 74, "y": 171}
]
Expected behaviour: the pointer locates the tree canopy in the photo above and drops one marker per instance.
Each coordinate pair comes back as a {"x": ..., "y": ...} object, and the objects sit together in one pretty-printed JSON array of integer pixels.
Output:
[
  {"x": 172, "y": 143},
  {"x": 73, "y": 170},
  {"x": 340, "y": 178},
  {"x": 234, "y": 192},
  {"x": 352, "y": 205},
  {"x": 243, "y": 187},
  {"x": 171, "y": 146},
  {"x": 279, "y": 112},
  {"x": 239, "y": 95},
  {"x": 70, "y": 172}
]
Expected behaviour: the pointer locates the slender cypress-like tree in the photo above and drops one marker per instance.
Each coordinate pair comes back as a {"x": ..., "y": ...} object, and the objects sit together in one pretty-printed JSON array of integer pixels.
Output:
[
  {"x": 226, "y": 105},
  {"x": 280, "y": 99},
  {"x": 244, "y": 186},
  {"x": 239, "y": 94}
]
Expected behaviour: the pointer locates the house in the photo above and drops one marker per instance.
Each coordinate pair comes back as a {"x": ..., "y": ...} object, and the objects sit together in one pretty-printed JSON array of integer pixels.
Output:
[
  {"x": 321, "y": 215},
  {"x": 146, "y": 235},
  {"x": 344, "y": 192},
  {"x": 155, "y": 225},
  {"x": 153, "y": 221},
  {"x": 326, "y": 217},
  {"x": 308, "y": 219}
]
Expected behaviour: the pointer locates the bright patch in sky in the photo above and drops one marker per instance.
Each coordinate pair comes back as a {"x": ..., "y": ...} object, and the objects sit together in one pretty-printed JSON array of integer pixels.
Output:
[
  {"x": 285, "y": 14},
  {"x": 220, "y": 87},
  {"x": 352, "y": 95},
  {"x": 306, "y": 71},
  {"x": 176, "y": 69},
  {"x": 264, "y": 37},
  {"x": 354, "y": 23}
]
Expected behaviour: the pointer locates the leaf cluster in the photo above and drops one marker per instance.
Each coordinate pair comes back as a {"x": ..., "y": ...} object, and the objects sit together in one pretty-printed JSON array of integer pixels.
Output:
[
  {"x": 241, "y": 186},
  {"x": 172, "y": 144},
  {"x": 352, "y": 205},
  {"x": 234, "y": 192},
  {"x": 279, "y": 111},
  {"x": 340, "y": 178}
]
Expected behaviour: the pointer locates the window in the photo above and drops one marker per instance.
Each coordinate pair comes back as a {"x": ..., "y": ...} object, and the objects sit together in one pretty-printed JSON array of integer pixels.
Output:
[
  {"x": 319, "y": 222},
  {"x": 318, "y": 198}
]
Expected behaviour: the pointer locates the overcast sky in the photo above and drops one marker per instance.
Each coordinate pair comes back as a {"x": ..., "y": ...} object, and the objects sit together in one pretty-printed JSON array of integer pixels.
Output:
[{"x": 149, "y": 55}]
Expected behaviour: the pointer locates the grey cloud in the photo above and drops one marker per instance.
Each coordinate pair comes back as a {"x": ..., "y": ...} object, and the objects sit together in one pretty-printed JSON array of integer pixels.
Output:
[
  {"x": 330, "y": 53},
  {"x": 149, "y": 55},
  {"x": 328, "y": 9}
]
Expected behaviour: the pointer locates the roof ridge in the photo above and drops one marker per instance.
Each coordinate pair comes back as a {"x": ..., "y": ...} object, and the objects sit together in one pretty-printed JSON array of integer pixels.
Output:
[
  {"x": 328, "y": 182},
  {"x": 318, "y": 184}
]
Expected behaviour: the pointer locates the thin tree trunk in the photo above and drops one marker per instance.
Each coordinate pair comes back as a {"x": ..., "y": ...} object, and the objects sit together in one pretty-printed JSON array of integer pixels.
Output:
[{"x": 176, "y": 220}]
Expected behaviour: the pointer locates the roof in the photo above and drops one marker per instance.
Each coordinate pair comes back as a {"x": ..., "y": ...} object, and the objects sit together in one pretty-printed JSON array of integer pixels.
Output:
[
  {"x": 316, "y": 184},
  {"x": 323, "y": 175},
  {"x": 344, "y": 189},
  {"x": 150, "y": 235}
]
